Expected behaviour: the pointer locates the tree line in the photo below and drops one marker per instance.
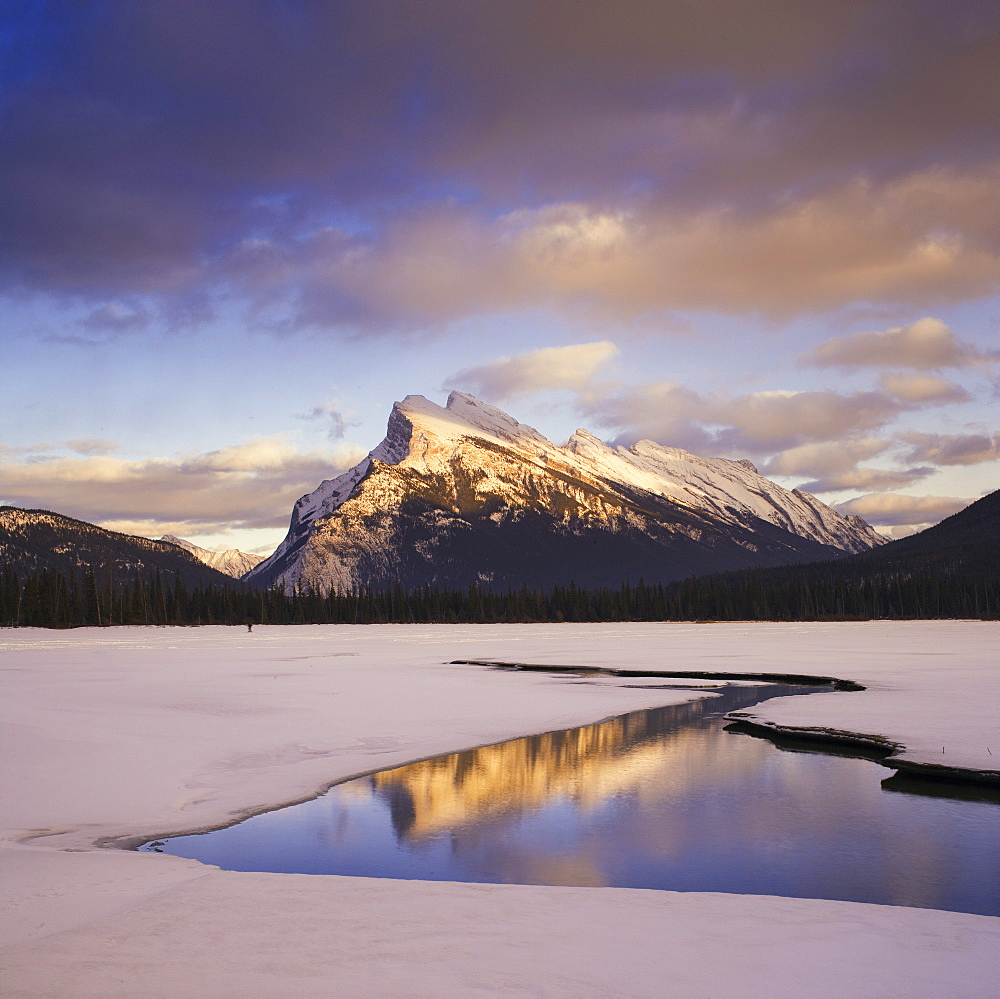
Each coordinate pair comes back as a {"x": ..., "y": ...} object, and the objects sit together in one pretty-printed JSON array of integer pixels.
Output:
[{"x": 51, "y": 599}]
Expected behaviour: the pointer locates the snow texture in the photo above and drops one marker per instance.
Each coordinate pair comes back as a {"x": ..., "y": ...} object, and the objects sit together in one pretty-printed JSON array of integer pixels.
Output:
[{"x": 137, "y": 732}]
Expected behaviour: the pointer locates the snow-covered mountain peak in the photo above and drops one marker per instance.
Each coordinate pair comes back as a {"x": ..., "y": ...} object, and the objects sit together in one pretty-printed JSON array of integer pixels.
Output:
[
  {"x": 428, "y": 437},
  {"x": 492, "y": 421},
  {"x": 420, "y": 432},
  {"x": 583, "y": 442},
  {"x": 418, "y": 417},
  {"x": 661, "y": 452},
  {"x": 733, "y": 491},
  {"x": 442, "y": 471},
  {"x": 232, "y": 562},
  {"x": 417, "y": 421}
]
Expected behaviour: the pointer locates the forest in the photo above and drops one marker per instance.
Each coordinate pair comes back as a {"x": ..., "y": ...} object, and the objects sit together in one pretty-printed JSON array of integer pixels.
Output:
[{"x": 51, "y": 599}]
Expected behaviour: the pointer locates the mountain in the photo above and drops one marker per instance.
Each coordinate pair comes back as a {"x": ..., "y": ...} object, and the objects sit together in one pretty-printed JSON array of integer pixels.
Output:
[
  {"x": 232, "y": 561},
  {"x": 951, "y": 570},
  {"x": 34, "y": 540},
  {"x": 966, "y": 544},
  {"x": 465, "y": 494}
]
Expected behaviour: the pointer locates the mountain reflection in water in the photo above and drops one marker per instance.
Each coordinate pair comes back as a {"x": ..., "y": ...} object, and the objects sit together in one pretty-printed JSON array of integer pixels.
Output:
[
  {"x": 586, "y": 765},
  {"x": 653, "y": 799}
]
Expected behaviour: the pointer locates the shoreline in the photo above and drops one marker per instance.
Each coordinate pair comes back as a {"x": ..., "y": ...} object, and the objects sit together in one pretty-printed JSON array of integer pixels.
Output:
[
  {"x": 793, "y": 679},
  {"x": 876, "y": 748},
  {"x": 132, "y": 843}
]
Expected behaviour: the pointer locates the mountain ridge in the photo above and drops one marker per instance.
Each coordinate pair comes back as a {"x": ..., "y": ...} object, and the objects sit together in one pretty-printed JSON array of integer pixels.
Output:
[
  {"x": 35, "y": 540},
  {"x": 452, "y": 493},
  {"x": 232, "y": 561},
  {"x": 966, "y": 542}
]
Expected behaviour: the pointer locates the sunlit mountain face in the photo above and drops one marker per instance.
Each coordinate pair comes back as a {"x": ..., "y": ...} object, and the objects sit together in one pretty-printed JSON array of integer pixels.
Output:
[{"x": 464, "y": 494}]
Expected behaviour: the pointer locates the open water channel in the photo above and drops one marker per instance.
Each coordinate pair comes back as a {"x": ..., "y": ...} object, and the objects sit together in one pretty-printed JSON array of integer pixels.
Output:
[{"x": 664, "y": 798}]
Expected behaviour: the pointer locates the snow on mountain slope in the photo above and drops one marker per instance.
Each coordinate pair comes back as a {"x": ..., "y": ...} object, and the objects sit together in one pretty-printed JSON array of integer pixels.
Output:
[
  {"x": 466, "y": 493},
  {"x": 232, "y": 561},
  {"x": 733, "y": 491}
]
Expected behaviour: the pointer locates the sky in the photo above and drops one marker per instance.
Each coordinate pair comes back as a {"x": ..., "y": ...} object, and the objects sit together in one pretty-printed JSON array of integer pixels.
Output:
[{"x": 234, "y": 232}]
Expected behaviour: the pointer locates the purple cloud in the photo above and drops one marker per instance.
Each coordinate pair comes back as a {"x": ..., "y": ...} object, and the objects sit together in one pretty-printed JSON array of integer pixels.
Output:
[{"x": 146, "y": 146}]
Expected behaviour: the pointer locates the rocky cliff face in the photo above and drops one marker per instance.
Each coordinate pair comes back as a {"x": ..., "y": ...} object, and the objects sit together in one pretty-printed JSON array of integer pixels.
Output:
[{"x": 465, "y": 494}]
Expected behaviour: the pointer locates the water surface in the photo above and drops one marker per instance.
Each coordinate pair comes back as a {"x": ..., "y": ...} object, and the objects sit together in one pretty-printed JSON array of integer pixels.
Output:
[{"x": 653, "y": 799}]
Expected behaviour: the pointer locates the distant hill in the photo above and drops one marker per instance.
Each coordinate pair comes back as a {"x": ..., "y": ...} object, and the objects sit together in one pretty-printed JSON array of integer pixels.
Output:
[
  {"x": 965, "y": 544},
  {"x": 949, "y": 570},
  {"x": 32, "y": 541}
]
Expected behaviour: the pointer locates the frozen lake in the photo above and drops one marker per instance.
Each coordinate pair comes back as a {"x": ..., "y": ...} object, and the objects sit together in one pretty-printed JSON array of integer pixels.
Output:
[
  {"x": 662, "y": 798},
  {"x": 112, "y": 736}
]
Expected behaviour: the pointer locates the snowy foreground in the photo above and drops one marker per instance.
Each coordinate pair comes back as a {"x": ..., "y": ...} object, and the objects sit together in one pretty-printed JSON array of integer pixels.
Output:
[{"x": 130, "y": 733}]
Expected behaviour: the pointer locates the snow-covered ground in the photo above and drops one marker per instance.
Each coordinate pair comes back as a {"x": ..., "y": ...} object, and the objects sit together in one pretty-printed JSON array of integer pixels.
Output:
[{"x": 132, "y": 733}]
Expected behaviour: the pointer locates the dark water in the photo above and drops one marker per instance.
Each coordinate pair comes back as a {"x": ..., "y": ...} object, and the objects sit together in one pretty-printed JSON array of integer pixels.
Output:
[{"x": 652, "y": 799}]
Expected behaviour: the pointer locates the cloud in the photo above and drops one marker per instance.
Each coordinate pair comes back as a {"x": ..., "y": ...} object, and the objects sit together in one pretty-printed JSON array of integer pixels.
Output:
[
  {"x": 337, "y": 423},
  {"x": 247, "y": 485},
  {"x": 904, "y": 530},
  {"x": 115, "y": 318},
  {"x": 783, "y": 419},
  {"x": 151, "y": 527},
  {"x": 925, "y": 345},
  {"x": 922, "y": 388},
  {"x": 573, "y": 367},
  {"x": 953, "y": 449},
  {"x": 894, "y": 509},
  {"x": 868, "y": 478},
  {"x": 444, "y": 261},
  {"x": 44, "y": 450},
  {"x": 720, "y": 155},
  {"x": 836, "y": 466},
  {"x": 756, "y": 422},
  {"x": 92, "y": 446},
  {"x": 259, "y": 454},
  {"x": 827, "y": 458},
  {"x": 820, "y": 438}
]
